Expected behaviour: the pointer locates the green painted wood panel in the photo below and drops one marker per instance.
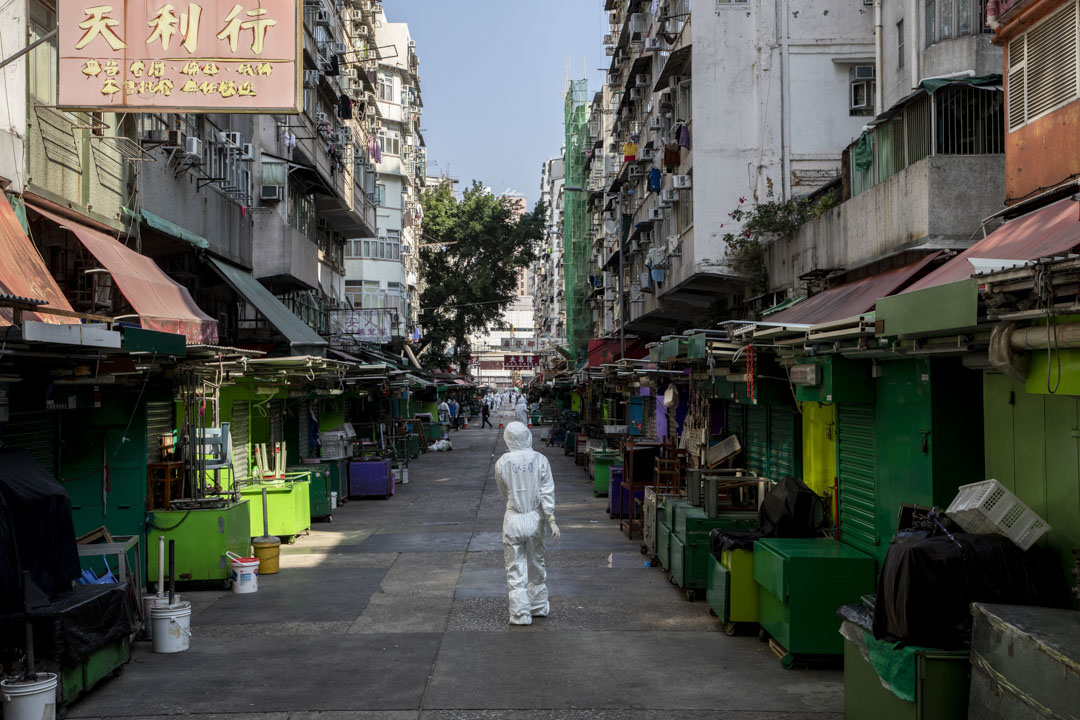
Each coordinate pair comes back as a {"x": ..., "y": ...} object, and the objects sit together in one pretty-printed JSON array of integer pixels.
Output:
[
  {"x": 1029, "y": 448},
  {"x": 1060, "y": 448},
  {"x": 998, "y": 432}
]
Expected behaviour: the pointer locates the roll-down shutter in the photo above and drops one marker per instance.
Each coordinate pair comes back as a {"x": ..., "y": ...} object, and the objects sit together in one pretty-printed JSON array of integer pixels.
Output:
[
  {"x": 159, "y": 421},
  {"x": 756, "y": 446},
  {"x": 856, "y": 475},
  {"x": 785, "y": 456},
  {"x": 238, "y": 428},
  {"x": 33, "y": 431}
]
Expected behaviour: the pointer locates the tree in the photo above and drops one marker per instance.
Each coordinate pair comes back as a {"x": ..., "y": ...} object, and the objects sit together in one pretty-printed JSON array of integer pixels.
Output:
[{"x": 473, "y": 249}]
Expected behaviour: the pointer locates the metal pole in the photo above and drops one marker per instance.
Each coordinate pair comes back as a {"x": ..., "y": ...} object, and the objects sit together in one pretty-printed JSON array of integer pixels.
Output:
[
  {"x": 43, "y": 39},
  {"x": 622, "y": 298},
  {"x": 28, "y": 620}
]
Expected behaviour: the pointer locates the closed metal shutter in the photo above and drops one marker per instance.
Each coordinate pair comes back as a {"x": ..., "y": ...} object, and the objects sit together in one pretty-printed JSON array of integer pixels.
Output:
[
  {"x": 784, "y": 443},
  {"x": 734, "y": 416},
  {"x": 238, "y": 428},
  {"x": 306, "y": 411},
  {"x": 277, "y": 432},
  {"x": 159, "y": 421},
  {"x": 36, "y": 432},
  {"x": 856, "y": 476},
  {"x": 756, "y": 446}
]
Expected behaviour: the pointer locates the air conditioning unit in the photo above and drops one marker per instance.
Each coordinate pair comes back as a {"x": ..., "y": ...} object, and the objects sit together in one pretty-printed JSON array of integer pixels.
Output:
[
  {"x": 311, "y": 78},
  {"x": 609, "y": 39},
  {"x": 645, "y": 280},
  {"x": 863, "y": 72},
  {"x": 665, "y": 98},
  {"x": 320, "y": 117},
  {"x": 613, "y": 18},
  {"x": 673, "y": 81},
  {"x": 635, "y": 93},
  {"x": 669, "y": 197},
  {"x": 647, "y": 153},
  {"x": 272, "y": 193},
  {"x": 338, "y": 48},
  {"x": 656, "y": 122},
  {"x": 636, "y": 171},
  {"x": 322, "y": 17},
  {"x": 642, "y": 81},
  {"x": 656, "y": 214},
  {"x": 247, "y": 152},
  {"x": 232, "y": 139},
  {"x": 174, "y": 139},
  {"x": 681, "y": 182},
  {"x": 652, "y": 43},
  {"x": 193, "y": 147},
  {"x": 609, "y": 51}
]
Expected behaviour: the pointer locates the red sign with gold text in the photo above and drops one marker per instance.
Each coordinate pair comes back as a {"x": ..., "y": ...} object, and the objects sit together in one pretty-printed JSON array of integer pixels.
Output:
[{"x": 154, "y": 56}]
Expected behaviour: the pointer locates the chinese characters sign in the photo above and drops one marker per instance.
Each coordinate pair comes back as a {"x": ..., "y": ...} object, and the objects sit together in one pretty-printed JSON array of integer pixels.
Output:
[
  {"x": 520, "y": 344},
  {"x": 520, "y": 362},
  {"x": 156, "y": 56},
  {"x": 373, "y": 325}
]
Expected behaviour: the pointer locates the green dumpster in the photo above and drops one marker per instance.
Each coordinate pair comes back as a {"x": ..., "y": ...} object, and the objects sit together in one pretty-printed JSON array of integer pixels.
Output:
[
  {"x": 288, "y": 505},
  {"x": 202, "y": 538},
  {"x": 602, "y": 462}
]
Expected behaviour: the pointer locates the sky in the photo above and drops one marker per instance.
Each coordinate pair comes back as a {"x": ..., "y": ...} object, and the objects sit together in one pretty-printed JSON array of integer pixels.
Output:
[{"x": 492, "y": 76}]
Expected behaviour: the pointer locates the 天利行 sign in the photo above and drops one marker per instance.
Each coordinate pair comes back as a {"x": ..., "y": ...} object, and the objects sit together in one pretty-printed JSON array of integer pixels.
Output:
[
  {"x": 520, "y": 362},
  {"x": 217, "y": 56}
]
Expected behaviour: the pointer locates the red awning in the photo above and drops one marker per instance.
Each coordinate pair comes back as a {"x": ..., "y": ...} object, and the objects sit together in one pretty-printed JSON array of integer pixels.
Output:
[
  {"x": 23, "y": 272},
  {"x": 1046, "y": 232},
  {"x": 161, "y": 303},
  {"x": 853, "y": 298}
]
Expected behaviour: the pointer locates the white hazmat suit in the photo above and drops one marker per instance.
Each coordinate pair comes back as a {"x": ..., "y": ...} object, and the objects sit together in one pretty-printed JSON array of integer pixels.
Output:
[
  {"x": 523, "y": 477},
  {"x": 521, "y": 412}
]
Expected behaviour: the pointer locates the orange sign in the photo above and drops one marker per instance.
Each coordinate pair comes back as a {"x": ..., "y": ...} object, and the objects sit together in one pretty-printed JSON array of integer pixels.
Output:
[{"x": 219, "y": 56}]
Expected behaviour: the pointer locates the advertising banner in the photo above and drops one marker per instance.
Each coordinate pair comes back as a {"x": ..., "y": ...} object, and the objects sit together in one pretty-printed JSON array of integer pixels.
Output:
[
  {"x": 218, "y": 56},
  {"x": 521, "y": 344}
]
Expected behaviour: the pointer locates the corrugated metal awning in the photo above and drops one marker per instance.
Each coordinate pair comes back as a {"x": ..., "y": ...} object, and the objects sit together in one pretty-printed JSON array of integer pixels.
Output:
[
  {"x": 295, "y": 330},
  {"x": 161, "y": 303},
  {"x": 853, "y": 298},
  {"x": 678, "y": 64},
  {"x": 23, "y": 272},
  {"x": 1047, "y": 232}
]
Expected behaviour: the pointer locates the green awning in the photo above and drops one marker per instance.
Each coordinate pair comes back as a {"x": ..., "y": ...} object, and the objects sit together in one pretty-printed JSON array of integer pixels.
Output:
[
  {"x": 783, "y": 306},
  {"x": 168, "y": 227},
  {"x": 302, "y": 338}
]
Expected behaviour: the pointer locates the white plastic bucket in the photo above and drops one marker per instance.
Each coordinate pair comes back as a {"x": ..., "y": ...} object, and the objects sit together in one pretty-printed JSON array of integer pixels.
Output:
[
  {"x": 30, "y": 699},
  {"x": 172, "y": 627},
  {"x": 333, "y": 499},
  {"x": 245, "y": 573}
]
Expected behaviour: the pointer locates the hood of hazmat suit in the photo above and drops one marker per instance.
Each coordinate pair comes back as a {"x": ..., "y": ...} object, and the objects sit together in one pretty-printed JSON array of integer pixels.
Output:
[{"x": 524, "y": 477}]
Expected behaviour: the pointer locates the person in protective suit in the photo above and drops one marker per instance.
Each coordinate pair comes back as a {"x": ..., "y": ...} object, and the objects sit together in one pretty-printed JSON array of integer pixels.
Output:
[
  {"x": 523, "y": 477},
  {"x": 521, "y": 411}
]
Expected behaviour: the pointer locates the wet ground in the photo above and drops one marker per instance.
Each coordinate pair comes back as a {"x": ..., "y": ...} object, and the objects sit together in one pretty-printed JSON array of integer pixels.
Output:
[{"x": 397, "y": 610}]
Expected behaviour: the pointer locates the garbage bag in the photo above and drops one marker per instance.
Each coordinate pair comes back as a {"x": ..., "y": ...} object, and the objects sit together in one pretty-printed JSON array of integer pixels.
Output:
[
  {"x": 790, "y": 510},
  {"x": 927, "y": 585}
]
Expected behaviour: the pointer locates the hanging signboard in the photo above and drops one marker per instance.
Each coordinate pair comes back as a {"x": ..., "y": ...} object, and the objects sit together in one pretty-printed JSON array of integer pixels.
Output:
[
  {"x": 520, "y": 344},
  {"x": 219, "y": 56},
  {"x": 520, "y": 362},
  {"x": 368, "y": 325}
]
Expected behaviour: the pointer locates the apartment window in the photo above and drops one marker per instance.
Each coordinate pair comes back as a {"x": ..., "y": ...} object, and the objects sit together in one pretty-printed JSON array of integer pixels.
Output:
[
  {"x": 1042, "y": 74},
  {"x": 900, "y": 44},
  {"x": 683, "y": 102},
  {"x": 386, "y": 88},
  {"x": 393, "y": 244},
  {"x": 354, "y": 292},
  {"x": 354, "y": 248},
  {"x": 686, "y": 210},
  {"x": 390, "y": 142},
  {"x": 380, "y": 194},
  {"x": 42, "y": 61},
  {"x": 863, "y": 85},
  {"x": 372, "y": 298},
  {"x": 946, "y": 19}
]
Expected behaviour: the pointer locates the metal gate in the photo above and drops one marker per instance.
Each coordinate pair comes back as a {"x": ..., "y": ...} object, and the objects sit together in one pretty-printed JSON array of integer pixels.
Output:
[
  {"x": 36, "y": 432},
  {"x": 785, "y": 446},
  {"x": 756, "y": 447},
  {"x": 159, "y": 421},
  {"x": 856, "y": 476},
  {"x": 238, "y": 428}
]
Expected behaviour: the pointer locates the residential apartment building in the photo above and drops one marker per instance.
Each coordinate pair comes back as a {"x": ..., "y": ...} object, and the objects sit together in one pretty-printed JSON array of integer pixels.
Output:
[
  {"x": 667, "y": 159},
  {"x": 926, "y": 177},
  {"x": 382, "y": 271},
  {"x": 240, "y": 219},
  {"x": 549, "y": 312}
]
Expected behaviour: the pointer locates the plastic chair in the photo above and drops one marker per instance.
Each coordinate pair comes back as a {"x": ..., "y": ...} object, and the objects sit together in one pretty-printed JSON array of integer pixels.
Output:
[{"x": 218, "y": 447}]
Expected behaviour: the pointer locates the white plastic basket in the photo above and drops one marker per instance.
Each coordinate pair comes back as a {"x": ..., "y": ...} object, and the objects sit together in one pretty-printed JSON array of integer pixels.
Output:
[{"x": 989, "y": 507}]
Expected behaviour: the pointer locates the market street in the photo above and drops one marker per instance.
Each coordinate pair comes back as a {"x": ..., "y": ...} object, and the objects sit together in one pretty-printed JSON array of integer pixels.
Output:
[{"x": 398, "y": 609}]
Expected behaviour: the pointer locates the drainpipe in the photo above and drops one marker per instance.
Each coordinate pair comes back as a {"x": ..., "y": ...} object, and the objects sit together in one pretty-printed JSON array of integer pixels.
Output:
[
  {"x": 878, "y": 58},
  {"x": 1039, "y": 338}
]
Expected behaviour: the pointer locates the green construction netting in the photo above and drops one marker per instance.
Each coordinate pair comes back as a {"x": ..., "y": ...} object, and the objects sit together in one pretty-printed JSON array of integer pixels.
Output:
[{"x": 577, "y": 242}]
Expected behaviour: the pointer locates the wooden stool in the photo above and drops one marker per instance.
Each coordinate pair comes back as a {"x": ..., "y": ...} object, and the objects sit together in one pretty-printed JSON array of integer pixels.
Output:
[{"x": 164, "y": 481}]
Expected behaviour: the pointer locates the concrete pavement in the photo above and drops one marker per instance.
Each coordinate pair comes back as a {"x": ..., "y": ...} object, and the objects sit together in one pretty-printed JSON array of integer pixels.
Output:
[{"x": 397, "y": 610}]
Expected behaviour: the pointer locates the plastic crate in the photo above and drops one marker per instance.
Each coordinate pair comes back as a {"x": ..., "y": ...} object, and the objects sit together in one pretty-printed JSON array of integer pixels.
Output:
[{"x": 989, "y": 507}]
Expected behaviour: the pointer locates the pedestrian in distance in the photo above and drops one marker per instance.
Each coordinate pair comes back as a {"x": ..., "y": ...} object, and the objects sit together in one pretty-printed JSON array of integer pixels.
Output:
[
  {"x": 444, "y": 412},
  {"x": 455, "y": 410},
  {"x": 521, "y": 411},
  {"x": 485, "y": 417},
  {"x": 523, "y": 477}
]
